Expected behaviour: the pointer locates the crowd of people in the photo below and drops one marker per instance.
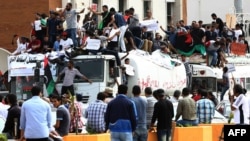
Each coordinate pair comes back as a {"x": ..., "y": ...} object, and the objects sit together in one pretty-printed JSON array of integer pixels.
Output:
[
  {"x": 119, "y": 32},
  {"x": 126, "y": 118}
]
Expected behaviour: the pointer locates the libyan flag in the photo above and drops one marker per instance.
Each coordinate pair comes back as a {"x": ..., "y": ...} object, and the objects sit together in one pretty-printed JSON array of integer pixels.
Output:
[{"x": 50, "y": 84}]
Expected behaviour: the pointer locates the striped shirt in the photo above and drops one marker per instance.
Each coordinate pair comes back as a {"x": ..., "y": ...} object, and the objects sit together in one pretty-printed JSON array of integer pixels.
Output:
[{"x": 95, "y": 114}]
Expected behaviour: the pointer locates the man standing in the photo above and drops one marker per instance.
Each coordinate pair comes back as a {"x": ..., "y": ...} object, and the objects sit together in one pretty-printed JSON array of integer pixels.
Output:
[
  {"x": 35, "y": 121},
  {"x": 3, "y": 108},
  {"x": 71, "y": 20},
  {"x": 187, "y": 109},
  {"x": 188, "y": 70},
  {"x": 225, "y": 83},
  {"x": 205, "y": 108},
  {"x": 68, "y": 81},
  {"x": 163, "y": 112},
  {"x": 62, "y": 116},
  {"x": 119, "y": 22},
  {"x": 12, "y": 122},
  {"x": 95, "y": 114},
  {"x": 219, "y": 23},
  {"x": 120, "y": 116},
  {"x": 239, "y": 106},
  {"x": 150, "y": 104},
  {"x": 106, "y": 16},
  {"x": 141, "y": 133}
]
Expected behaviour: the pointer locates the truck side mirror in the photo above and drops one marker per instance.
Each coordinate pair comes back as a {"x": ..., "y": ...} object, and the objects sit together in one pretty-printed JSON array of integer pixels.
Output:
[{"x": 116, "y": 72}]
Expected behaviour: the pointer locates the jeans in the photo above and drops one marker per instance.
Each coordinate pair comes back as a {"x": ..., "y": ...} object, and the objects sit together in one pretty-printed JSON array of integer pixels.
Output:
[
  {"x": 224, "y": 89},
  {"x": 140, "y": 134},
  {"x": 72, "y": 34},
  {"x": 184, "y": 122},
  {"x": 121, "y": 136},
  {"x": 214, "y": 54},
  {"x": 164, "y": 134}
]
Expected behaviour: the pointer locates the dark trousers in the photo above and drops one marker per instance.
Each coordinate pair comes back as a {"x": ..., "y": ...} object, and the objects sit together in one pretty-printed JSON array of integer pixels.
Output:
[
  {"x": 108, "y": 52},
  {"x": 67, "y": 89},
  {"x": 40, "y": 139}
]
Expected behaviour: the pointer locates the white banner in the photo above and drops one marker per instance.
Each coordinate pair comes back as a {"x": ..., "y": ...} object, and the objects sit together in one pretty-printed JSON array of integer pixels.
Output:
[
  {"x": 24, "y": 64},
  {"x": 151, "y": 25},
  {"x": 93, "y": 44}
]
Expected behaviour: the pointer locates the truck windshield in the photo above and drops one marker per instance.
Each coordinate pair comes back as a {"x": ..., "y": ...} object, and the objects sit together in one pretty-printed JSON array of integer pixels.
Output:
[
  {"x": 91, "y": 68},
  {"x": 208, "y": 83}
]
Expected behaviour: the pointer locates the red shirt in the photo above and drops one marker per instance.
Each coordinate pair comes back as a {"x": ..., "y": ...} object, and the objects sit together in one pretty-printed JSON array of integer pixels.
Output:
[
  {"x": 197, "y": 97},
  {"x": 35, "y": 42}
]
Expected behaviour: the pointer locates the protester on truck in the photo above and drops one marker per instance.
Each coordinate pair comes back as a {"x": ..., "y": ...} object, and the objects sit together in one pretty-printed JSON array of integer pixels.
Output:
[
  {"x": 212, "y": 47},
  {"x": 68, "y": 81},
  {"x": 34, "y": 46},
  {"x": 218, "y": 24},
  {"x": 106, "y": 16},
  {"x": 22, "y": 45},
  {"x": 171, "y": 34}
]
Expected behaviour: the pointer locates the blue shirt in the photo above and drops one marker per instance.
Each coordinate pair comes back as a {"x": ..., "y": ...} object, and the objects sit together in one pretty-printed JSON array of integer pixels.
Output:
[
  {"x": 56, "y": 46},
  {"x": 119, "y": 20},
  {"x": 141, "y": 107},
  {"x": 121, "y": 112},
  {"x": 35, "y": 118}
]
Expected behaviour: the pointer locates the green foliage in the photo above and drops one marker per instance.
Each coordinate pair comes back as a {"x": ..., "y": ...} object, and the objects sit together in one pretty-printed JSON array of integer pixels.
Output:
[
  {"x": 3, "y": 137},
  {"x": 90, "y": 130},
  {"x": 186, "y": 125},
  {"x": 230, "y": 117}
]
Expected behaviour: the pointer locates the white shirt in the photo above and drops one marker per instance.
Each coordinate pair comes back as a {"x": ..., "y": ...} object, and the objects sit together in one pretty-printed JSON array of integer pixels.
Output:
[
  {"x": 174, "y": 100},
  {"x": 129, "y": 70},
  {"x": 241, "y": 104},
  {"x": 37, "y": 25},
  {"x": 237, "y": 33},
  {"x": 21, "y": 48},
  {"x": 211, "y": 46},
  {"x": 66, "y": 43},
  {"x": 249, "y": 105},
  {"x": 4, "y": 110}
]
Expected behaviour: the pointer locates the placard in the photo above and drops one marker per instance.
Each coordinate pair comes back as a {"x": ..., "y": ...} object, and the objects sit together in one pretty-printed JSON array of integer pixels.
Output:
[
  {"x": 151, "y": 25},
  {"x": 238, "y": 48},
  {"x": 231, "y": 68},
  {"x": 93, "y": 44}
]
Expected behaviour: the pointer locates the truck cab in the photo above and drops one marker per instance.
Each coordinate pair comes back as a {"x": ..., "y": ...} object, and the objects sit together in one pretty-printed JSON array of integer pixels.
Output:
[
  {"x": 101, "y": 69},
  {"x": 203, "y": 77}
]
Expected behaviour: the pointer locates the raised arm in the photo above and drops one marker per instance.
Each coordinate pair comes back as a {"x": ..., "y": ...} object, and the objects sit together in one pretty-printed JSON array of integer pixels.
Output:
[{"x": 95, "y": 12}]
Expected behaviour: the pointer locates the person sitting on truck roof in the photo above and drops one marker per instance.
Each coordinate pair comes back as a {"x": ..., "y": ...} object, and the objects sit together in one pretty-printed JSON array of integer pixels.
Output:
[
  {"x": 65, "y": 42},
  {"x": 22, "y": 44},
  {"x": 162, "y": 56},
  {"x": 212, "y": 47},
  {"x": 34, "y": 46}
]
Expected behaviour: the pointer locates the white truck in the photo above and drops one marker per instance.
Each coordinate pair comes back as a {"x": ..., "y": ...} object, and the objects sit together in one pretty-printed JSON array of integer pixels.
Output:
[
  {"x": 148, "y": 73},
  {"x": 238, "y": 67}
]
